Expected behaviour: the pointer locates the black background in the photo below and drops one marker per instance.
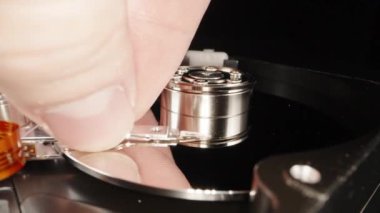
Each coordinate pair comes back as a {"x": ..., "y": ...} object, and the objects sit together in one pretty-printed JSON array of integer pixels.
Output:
[{"x": 339, "y": 36}]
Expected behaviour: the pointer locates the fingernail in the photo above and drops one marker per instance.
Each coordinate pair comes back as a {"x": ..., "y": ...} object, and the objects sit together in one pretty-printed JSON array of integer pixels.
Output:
[{"x": 94, "y": 123}]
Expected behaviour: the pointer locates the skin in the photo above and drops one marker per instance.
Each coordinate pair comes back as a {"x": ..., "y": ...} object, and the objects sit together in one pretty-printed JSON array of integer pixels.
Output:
[
  {"x": 86, "y": 70},
  {"x": 150, "y": 166},
  {"x": 156, "y": 165}
]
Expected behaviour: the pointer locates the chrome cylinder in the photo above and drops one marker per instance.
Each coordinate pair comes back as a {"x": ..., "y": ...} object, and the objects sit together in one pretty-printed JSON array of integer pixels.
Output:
[
  {"x": 211, "y": 100},
  {"x": 10, "y": 113}
]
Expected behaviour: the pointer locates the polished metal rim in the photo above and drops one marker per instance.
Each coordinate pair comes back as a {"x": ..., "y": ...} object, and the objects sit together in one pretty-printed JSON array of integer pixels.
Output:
[{"x": 189, "y": 194}]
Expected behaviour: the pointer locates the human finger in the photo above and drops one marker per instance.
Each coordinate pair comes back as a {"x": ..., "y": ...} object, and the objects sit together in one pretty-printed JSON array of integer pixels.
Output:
[{"x": 68, "y": 65}]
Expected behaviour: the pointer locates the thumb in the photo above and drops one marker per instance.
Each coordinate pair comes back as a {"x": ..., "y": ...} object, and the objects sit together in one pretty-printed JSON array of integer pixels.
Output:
[{"x": 68, "y": 66}]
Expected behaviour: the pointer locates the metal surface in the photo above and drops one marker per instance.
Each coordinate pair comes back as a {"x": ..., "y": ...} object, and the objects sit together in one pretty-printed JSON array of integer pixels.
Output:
[
  {"x": 40, "y": 146},
  {"x": 333, "y": 169},
  {"x": 159, "y": 136},
  {"x": 75, "y": 158},
  {"x": 46, "y": 203},
  {"x": 8, "y": 199},
  {"x": 64, "y": 187},
  {"x": 348, "y": 166},
  {"x": 328, "y": 120},
  {"x": 211, "y": 100}
]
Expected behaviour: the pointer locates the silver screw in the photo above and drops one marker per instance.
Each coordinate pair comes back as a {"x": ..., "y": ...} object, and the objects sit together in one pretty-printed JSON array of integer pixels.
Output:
[
  {"x": 211, "y": 69},
  {"x": 182, "y": 70},
  {"x": 201, "y": 82},
  {"x": 177, "y": 77},
  {"x": 235, "y": 76}
]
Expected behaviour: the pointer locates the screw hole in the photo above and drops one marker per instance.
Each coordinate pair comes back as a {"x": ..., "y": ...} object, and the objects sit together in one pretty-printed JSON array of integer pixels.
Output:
[{"x": 305, "y": 174}]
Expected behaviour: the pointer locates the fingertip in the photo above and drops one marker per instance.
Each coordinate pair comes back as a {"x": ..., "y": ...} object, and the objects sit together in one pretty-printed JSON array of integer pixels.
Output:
[{"x": 94, "y": 123}]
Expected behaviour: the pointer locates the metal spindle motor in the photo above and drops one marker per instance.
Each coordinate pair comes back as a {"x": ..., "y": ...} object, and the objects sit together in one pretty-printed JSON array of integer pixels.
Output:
[{"x": 211, "y": 100}]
